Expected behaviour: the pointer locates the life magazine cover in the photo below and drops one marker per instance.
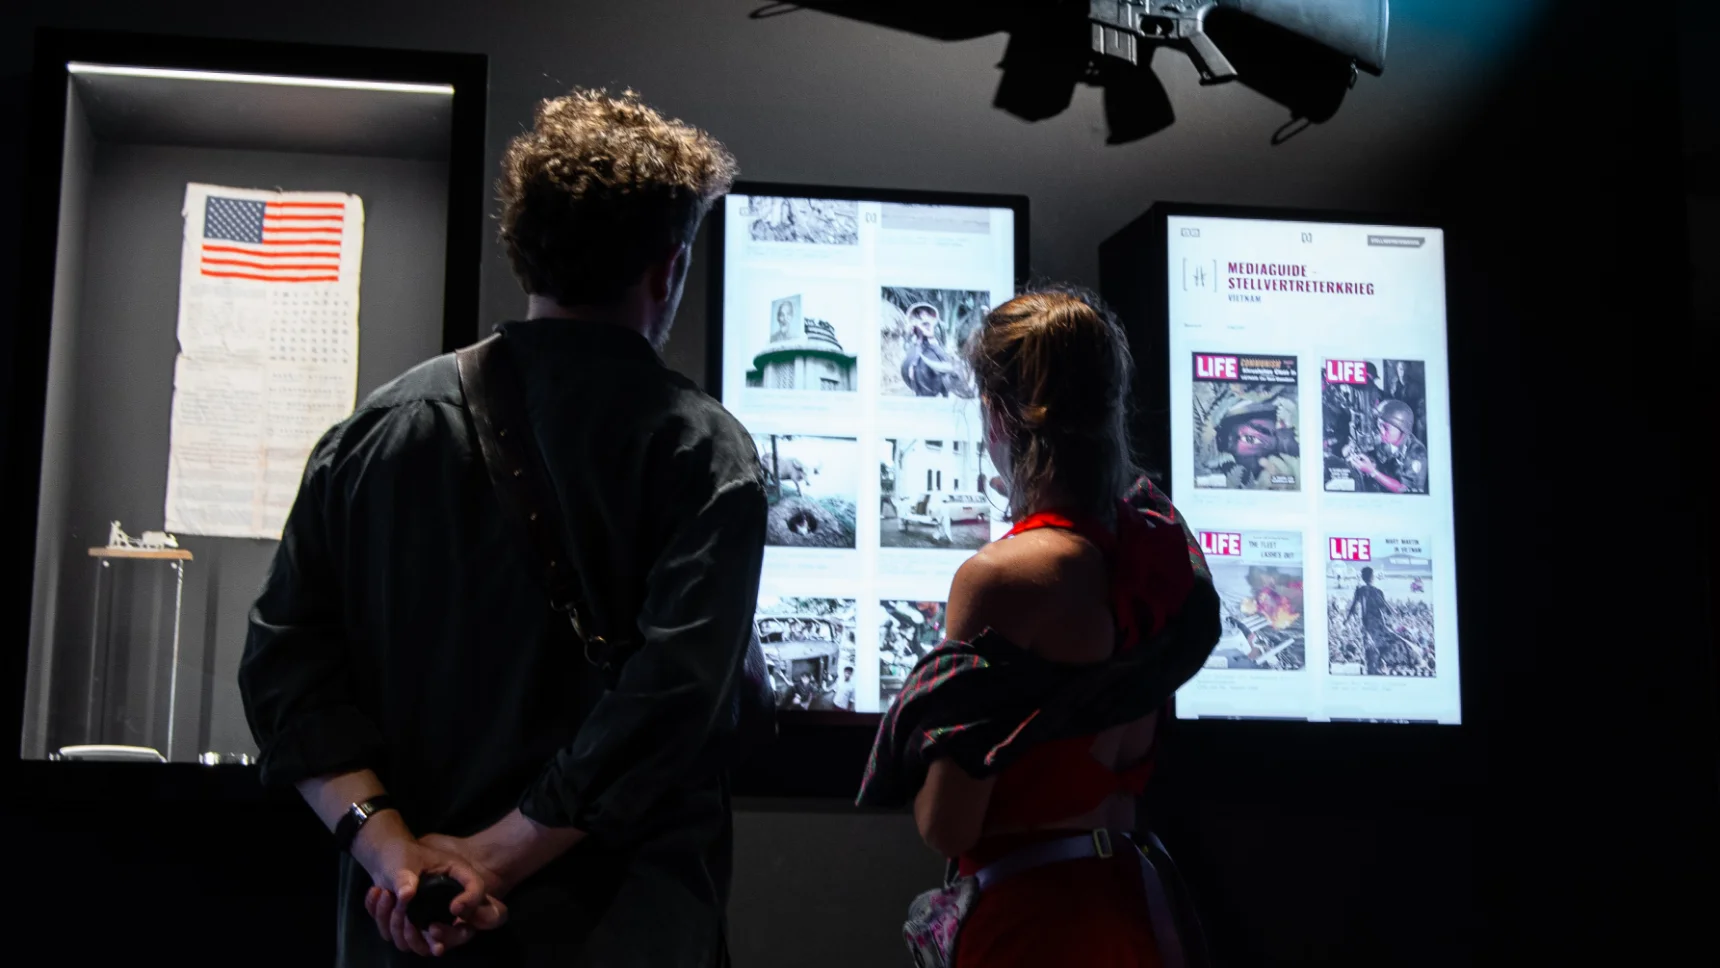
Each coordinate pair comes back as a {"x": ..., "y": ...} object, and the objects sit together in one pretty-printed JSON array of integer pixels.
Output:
[
  {"x": 1374, "y": 438},
  {"x": 1258, "y": 575},
  {"x": 1245, "y": 423},
  {"x": 1379, "y": 606}
]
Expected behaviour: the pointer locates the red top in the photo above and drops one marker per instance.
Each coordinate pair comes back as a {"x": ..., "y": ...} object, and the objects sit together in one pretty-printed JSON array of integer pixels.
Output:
[{"x": 1060, "y": 779}]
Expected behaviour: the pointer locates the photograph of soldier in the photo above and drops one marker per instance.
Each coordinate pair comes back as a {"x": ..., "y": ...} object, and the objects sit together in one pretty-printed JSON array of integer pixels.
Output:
[
  {"x": 1245, "y": 430},
  {"x": 922, "y": 335},
  {"x": 809, "y": 650},
  {"x": 1380, "y": 619},
  {"x": 906, "y": 632},
  {"x": 812, "y": 485},
  {"x": 1374, "y": 435},
  {"x": 808, "y": 221},
  {"x": 932, "y": 494}
]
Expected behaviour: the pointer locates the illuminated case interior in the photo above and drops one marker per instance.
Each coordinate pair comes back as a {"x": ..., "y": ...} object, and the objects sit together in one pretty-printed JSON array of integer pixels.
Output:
[{"x": 130, "y": 654}]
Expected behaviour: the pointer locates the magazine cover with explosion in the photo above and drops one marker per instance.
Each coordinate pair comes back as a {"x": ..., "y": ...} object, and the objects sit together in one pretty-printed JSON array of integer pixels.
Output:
[
  {"x": 1375, "y": 433},
  {"x": 1258, "y": 575},
  {"x": 1379, "y": 606},
  {"x": 1245, "y": 420}
]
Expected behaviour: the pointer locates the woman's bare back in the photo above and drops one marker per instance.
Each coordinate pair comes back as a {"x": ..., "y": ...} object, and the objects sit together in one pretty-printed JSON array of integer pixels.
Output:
[{"x": 1052, "y": 597}]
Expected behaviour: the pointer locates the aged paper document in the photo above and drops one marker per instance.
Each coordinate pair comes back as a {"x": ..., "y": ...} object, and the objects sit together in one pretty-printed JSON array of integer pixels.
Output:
[{"x": 268, "y": 351}]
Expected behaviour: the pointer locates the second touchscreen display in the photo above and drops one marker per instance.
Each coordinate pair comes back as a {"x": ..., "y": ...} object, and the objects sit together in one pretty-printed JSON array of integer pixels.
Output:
[{"x": 843, "y": 327}]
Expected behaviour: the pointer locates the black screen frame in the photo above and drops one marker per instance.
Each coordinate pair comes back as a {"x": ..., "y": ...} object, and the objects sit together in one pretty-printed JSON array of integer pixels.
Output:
[
  {"x": 58, "y": 783},
  {"x": 1331, "y": 760},
  {"x": 822, "y": 754}
]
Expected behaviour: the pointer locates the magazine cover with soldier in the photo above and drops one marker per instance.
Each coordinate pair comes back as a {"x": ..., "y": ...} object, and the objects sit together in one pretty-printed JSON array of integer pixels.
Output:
[
  {"x": 1258, "y": 576},
  {"x": 1245, "y": 420},
  {"x": 1375, "y": 436},
  {"x": 1379, "y": 606}
]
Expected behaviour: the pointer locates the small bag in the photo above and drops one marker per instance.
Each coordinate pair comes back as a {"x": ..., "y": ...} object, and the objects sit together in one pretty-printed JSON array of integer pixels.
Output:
[
  {"x": 497, "y": 405},
  {"x": 935, "y": 919}
]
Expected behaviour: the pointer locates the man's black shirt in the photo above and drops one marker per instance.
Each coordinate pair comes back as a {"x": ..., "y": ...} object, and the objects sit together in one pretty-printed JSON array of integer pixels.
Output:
[{"x": 403, "y": 627}]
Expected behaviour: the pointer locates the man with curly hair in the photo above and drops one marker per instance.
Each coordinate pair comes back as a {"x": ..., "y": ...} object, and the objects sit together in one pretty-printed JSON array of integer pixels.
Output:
[{"x": 403, "y": 667}]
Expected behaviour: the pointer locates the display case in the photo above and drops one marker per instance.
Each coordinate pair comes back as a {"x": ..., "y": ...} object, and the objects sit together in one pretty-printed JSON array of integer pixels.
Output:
[{"x": 229, "y": 245}]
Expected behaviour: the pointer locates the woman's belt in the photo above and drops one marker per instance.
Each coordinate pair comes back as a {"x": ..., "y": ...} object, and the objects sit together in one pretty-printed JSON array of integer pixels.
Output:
[{"x": 1098, "y": 843}]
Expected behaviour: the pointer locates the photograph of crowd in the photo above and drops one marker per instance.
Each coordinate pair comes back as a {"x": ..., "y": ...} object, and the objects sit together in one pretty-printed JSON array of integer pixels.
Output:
[
  {"x": 1375, "y": 426},
  {"x": 906, "y": 632},
  {"x": 809, "y": 650},
  {"x": 933, "y": 494},
  {"x": 923, "y": 332},
  {"x": 809, "y": 221},
  {"x": 812, "y": 485},
  {"x": 1379, "y": 618},
  {"x": 1263, "y": 616}
]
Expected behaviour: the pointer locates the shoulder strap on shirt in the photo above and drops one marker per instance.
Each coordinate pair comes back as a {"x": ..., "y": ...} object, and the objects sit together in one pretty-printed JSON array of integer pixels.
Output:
[{"x": 496, "y": 402}]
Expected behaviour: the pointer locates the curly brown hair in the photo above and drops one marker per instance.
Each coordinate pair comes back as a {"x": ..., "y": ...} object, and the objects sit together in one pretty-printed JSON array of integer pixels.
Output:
[
  {"x": 1055, "y": 367},
  {"x": 600, "y": 188}
]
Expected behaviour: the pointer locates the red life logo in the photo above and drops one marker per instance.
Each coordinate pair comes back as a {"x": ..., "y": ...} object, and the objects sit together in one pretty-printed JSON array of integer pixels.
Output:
[
  {"x": 1351, "y": 549},
  {"x": 1346, "y": 371},
  {"x": 1220, "y": 544},
  {"x": 1216, "y": 367}
]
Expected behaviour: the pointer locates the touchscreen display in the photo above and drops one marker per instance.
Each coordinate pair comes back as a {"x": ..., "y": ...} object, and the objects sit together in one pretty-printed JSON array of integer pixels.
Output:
[
  {"x": 843, "y": 324},
  {"x": 1311, "y": 453}
]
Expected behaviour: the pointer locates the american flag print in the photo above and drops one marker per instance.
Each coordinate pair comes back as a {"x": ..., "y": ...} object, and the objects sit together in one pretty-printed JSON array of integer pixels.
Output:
[{"x": 272, "y": 241}]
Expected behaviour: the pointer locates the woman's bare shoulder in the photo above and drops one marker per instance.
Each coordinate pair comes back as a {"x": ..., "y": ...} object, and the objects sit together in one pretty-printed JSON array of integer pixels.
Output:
[{"x": 1028, "y": 588}]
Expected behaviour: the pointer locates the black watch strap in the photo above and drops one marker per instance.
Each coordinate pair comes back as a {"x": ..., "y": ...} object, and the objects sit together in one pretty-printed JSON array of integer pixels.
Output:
[{"x": 356, "y": 816}]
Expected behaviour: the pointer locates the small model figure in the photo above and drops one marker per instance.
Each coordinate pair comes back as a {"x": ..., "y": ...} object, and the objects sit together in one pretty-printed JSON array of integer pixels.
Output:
[{"x": 151, "y": 540}]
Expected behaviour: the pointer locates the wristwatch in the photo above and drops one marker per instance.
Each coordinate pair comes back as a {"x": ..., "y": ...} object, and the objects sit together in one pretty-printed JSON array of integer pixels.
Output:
[{"x": 356, "y": 816}]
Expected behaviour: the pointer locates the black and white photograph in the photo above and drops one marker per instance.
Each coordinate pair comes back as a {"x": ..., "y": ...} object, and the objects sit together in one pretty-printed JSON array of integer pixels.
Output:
[
  {"x": 785, "y": 318},
  {"x": 1379, "y": 611},
  {"x": 807, "y": 221},
  {"x": 932, "y": 494},
  {"x": 906, "y": 632},
  {"x": 813, "y": 486},
  {"x": 922, "y": 336},
  {"x": 809, "y": 649},
  {"x": 803, "y": 346}
]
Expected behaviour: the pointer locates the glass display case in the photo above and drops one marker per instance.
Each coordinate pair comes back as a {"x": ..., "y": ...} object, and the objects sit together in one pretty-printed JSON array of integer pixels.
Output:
[{"x": 233, "y": 243}]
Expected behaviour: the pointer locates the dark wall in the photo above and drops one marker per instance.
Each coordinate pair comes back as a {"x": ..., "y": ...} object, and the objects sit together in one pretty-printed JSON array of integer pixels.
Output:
[
  {"x": 60, "y": 407},
  {"x": 1699, "y": 37},
  {"x": 1569, "y": 247},
  {"x": 1551, "y": 146}
]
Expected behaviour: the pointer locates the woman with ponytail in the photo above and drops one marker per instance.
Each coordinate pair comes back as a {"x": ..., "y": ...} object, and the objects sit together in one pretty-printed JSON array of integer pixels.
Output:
[{"x": 1023, "y": 740}]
